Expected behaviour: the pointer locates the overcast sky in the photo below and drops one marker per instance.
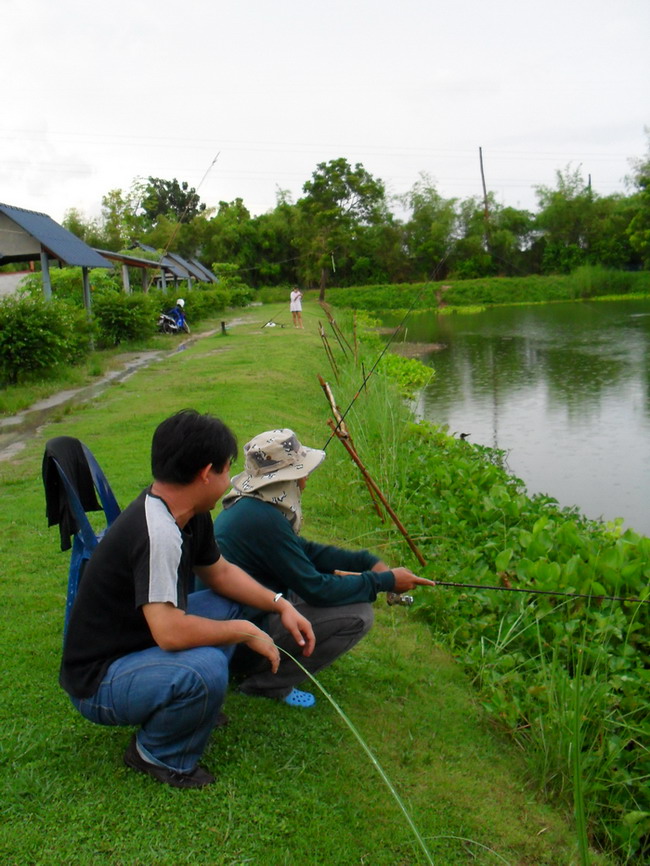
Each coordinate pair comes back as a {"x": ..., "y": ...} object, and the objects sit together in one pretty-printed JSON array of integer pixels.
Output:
[{"x": 97, "y": 94}]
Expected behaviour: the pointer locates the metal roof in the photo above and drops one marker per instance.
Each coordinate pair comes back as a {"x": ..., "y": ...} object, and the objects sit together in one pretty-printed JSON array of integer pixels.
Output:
[
  {"x": 208, "y": 276},
  {"x": 135, "y": 261},
  {"x": 165, "y": 261},
  {"x": 182, "y": 267},
  {"x": 17, "y": 244},
  {"x": 191, "y": 269}
]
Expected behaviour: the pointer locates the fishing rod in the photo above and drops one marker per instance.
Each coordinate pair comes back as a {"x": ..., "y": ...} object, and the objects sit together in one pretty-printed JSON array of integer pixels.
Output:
[
  {"x": 187, "y": 206},
  {"x": 386, "y": 347},
  {"x": 542, "y": 592}
]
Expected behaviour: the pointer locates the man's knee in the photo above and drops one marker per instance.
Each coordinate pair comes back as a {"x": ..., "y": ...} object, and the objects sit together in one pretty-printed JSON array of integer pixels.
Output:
[
  {"x": 210, "y": 666},
  {"x": 353, "y": 619},
  {"x": 199, "y": 675},
  {"x": 362, "y": 616},
  {"x": 367, "y": 616}
]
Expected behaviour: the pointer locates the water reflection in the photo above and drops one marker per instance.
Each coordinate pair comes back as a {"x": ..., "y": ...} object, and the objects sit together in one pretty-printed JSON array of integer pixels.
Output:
[{"x": 563, "y": 388}]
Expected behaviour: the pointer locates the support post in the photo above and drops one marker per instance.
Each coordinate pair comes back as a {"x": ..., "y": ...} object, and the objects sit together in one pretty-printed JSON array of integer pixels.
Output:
[
  {"x": 86, "y": 285},
  {"x": 126, "y": 280},
  {"x": 45, "y": 276}
]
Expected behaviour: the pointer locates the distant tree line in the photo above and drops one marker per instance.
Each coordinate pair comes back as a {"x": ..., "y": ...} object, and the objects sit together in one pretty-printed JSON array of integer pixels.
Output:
[{"x": 344, "y": 230}]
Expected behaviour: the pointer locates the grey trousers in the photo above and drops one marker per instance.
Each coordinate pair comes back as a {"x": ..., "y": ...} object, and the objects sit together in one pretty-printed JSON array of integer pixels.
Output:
[{"x": 337, "y": 630}]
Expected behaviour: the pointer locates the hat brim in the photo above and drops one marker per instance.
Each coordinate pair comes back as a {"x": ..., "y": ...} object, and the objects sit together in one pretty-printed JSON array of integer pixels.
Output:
[{"x": 312, "y": 458}]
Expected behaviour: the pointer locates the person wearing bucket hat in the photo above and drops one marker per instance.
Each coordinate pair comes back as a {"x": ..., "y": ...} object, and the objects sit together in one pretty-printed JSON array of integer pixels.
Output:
[{"x": 258, "y": 530}]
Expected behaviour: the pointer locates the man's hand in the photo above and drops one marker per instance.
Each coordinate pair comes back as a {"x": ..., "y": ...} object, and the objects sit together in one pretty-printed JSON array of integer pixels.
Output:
[
  {"x": 260, "y": 642},
  {"x": 298, "y": 626},
  {"x": 405, "y": 579}
]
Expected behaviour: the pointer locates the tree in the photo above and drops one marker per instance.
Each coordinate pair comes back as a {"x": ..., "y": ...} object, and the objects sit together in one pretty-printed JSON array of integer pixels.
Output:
[
  {"x": 88, "y": 230},
  {"x": 470, "y": 256},
  {"x": 638, "y": 229},
  {"x": 229, "y": 236},
  {"x": 510, "y": 235},
  {"x": 171, "y": 199},
  {"x": 339, "y": 199},
  {"x": 121, "y": 223},
  {"x": 275, "y": 252},
  {"x": 566, "y": 219},
  {"x": 429, "y": 232}
]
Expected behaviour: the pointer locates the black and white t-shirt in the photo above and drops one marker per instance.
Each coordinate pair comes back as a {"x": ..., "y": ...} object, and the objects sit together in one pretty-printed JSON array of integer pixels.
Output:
[{"x": 144, "y": 557}]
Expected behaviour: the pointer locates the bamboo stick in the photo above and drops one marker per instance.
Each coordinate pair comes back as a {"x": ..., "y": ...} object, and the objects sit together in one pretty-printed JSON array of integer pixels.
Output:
[
  {"x": 340, "y": 425},
  {"x": 328, "y": 350},
  {"x": 398, "y": 523}
]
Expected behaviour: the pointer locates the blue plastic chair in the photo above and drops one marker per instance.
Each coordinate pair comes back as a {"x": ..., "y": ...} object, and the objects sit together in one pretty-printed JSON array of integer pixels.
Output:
[{"x": 70, "y": 493}]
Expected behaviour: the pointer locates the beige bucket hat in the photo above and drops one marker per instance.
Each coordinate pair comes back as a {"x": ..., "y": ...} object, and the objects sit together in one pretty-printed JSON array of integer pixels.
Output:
[{"x": 276, "y": 455}]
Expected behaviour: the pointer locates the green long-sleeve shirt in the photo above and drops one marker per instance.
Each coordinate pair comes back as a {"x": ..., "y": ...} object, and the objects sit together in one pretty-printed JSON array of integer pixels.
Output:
[{"x": 256, "y": 536}]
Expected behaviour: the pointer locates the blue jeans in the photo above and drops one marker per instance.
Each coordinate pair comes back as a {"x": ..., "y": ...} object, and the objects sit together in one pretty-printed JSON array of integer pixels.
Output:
[{"x": 174, "y": 697}]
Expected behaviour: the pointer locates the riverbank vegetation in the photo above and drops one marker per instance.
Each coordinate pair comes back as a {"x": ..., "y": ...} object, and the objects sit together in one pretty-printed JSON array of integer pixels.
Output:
[
  {"x": 585, "y": 283},
  {"x": 566, "y": 677}
]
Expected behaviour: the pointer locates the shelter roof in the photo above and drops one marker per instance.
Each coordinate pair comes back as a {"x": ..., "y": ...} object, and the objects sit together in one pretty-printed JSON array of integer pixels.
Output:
[
  {"x": 166, "y": 261},
  {"x": 208, "y": 276},
  {"x": 25, "y": 233},
  {"x": 188, "y": 267},
  {"x": 134, "y": 261},
  {"x": 182, "y": 267}
]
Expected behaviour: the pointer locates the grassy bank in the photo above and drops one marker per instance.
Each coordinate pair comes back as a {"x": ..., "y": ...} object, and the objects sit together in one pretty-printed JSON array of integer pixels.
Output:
[
  {"x": 291, "y": 787},
  {"x": 586, "y": 282}
]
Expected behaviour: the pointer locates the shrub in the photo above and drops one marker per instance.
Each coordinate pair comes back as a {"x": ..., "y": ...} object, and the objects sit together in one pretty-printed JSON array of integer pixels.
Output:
[
  {"x": 121, "y": 318},
  {"x": 273, "y": 294},
  {"x": 38, "y": 335},
  {"x": 409, "y": 374},
  {"x": 229, "y": 279},
  {"x": 67, "y": 284},
  {"x": 593, "y": 280}
]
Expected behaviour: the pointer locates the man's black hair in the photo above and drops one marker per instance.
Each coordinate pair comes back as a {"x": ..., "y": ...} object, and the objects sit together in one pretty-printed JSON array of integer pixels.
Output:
[{"x": 186, "y": 442}]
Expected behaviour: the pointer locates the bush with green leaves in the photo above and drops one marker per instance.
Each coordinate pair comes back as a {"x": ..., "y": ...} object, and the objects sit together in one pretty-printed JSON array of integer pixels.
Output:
[
  {"x": 408, "y": 374},
  {"x": 202, "y": 301},
  {"x": 67, "y": 284},
  {"x": 37, "y": 336},
  {"x": 121, "y": 318},
  {"x": 568, "y": 677}
]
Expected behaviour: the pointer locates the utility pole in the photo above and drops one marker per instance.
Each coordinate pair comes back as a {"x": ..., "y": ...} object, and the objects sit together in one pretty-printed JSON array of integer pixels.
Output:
[{"x": 486, "y": 214}]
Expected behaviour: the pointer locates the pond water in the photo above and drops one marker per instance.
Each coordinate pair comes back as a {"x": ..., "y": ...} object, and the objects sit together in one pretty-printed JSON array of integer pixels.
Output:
[{"x": 563, "y": 389}]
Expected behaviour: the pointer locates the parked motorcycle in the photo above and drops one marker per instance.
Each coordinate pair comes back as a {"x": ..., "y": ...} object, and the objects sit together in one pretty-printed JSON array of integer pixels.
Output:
[{"x": 174, "y": 321}]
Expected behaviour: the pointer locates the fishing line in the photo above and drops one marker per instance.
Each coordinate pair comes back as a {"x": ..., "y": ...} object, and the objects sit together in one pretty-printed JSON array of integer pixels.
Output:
[
  {"x": 372, "y": 369},
  {"x": 542, "y": 592},
  {"x": 359, "y": 739},
  {"x": 384, "y": 350},
  {"x": 187, "y": 206},
  {"x": 370, "y": 755}
]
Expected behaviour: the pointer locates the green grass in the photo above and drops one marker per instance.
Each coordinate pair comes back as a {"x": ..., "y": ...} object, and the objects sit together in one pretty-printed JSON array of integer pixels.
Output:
[{"x": 292, "y": 787}]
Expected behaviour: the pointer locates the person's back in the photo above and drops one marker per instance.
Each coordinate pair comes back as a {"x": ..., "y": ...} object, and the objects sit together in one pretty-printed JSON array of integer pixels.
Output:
[{"x": 260, "y": 528}]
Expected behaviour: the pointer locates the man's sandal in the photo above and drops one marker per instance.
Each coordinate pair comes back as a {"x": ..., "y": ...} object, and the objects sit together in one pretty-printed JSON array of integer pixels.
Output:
[{"x": 296, "y": 698}]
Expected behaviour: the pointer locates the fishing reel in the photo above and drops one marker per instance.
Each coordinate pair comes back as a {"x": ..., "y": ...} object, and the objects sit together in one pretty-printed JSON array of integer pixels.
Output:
[{"x": 397, "y": 598}]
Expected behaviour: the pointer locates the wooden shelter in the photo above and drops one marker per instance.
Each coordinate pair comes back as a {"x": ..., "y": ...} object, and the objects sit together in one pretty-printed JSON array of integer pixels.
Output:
[{"x": 27, "y": 236}]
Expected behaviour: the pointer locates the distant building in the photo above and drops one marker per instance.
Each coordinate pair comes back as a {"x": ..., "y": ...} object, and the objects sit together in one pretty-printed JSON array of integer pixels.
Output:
[{"x": 29, "y": 236}]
